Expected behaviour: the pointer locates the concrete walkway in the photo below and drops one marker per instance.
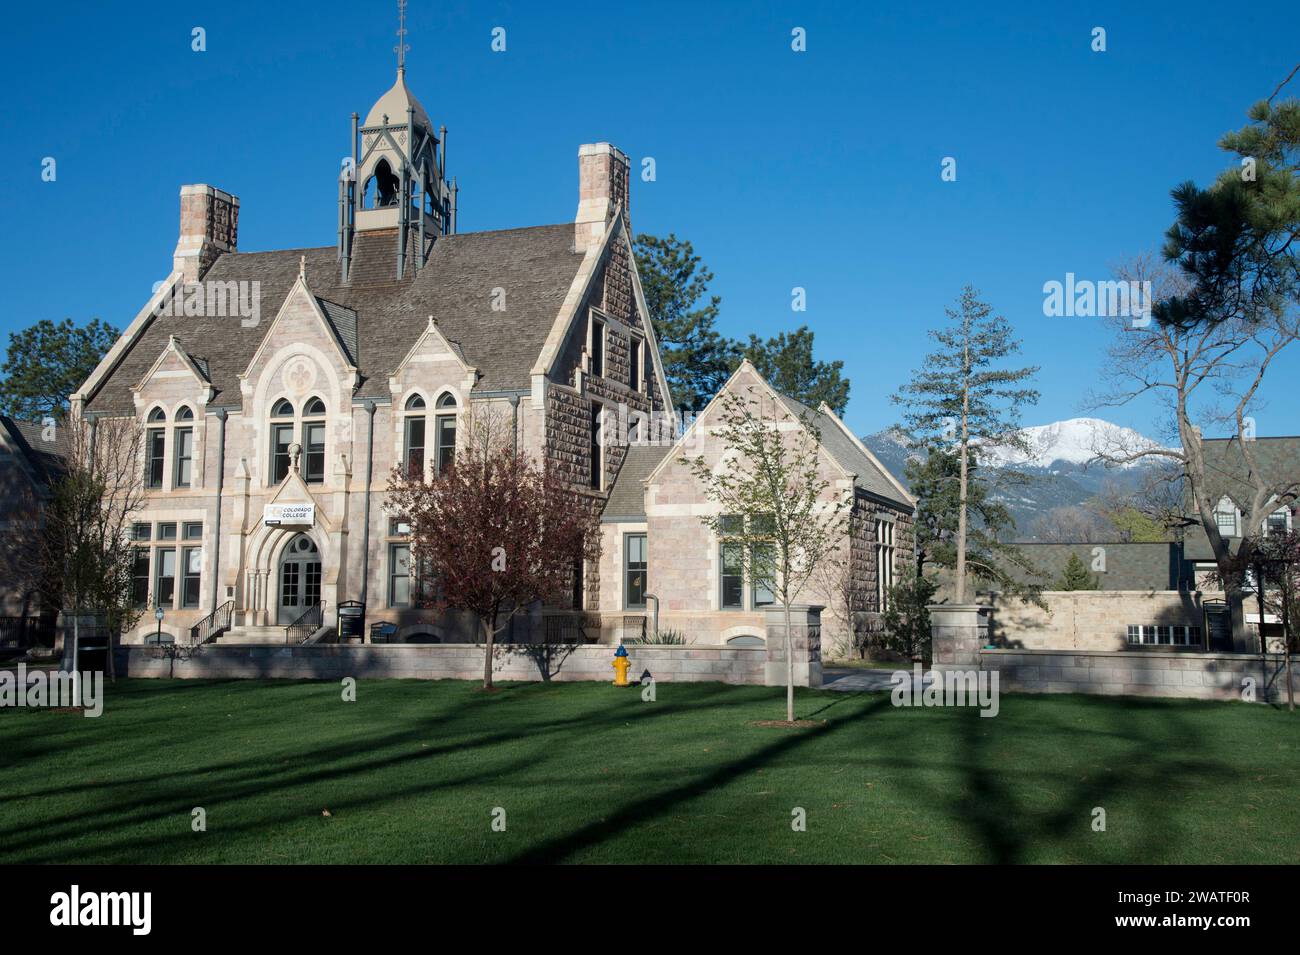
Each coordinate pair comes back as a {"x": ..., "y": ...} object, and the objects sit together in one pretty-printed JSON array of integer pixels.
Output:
[{"x": 853, "y": 680}]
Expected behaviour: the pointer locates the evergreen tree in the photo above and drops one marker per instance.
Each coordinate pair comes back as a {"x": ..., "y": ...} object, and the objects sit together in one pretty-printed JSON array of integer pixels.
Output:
[
  {"x": 48, "y": 362},
  {"x": 697, "y": 359},
  {"x": 787, "y": 362},
  {"x": 1076, "y": 576},
  {"x": 963, "y": 399}
]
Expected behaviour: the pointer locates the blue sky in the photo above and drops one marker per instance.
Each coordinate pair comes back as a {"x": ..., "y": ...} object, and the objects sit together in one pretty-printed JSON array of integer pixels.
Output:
[{"x": 818, "y": 169}]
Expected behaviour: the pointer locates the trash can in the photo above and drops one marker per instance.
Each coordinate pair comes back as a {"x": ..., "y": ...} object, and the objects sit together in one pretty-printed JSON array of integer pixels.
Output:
[{"x": 351, "y": 624}]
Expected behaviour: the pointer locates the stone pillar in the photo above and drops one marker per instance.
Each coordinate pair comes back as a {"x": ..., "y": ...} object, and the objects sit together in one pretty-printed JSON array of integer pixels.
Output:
[
  {"x": 806, "y": 627},
  {"x": 958, "y": 631}
]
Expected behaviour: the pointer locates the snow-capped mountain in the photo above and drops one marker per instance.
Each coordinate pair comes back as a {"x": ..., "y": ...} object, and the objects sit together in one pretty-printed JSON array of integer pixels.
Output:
[
  {"x": 1075, "y": 441},
  {"x": 1058, "y": 464}
]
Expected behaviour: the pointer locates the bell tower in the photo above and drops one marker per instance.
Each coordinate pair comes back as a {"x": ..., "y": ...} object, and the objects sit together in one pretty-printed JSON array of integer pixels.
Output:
[{"x": 396, "y": 178}]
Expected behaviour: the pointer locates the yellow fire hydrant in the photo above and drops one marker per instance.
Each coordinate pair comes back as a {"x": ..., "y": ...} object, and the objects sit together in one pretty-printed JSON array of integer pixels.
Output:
[{"x": 620, "y": 665}]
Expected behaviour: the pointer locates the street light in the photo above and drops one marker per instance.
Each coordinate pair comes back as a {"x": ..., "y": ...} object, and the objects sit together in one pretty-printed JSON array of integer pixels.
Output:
[{"x": 158, "y": 615}]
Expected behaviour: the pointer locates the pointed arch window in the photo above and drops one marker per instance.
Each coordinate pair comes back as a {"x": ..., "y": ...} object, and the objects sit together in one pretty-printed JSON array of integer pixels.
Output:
[
  {"x": 155, "y": 448},
  {"x": 281, "y": 439},
  {"x": 413, "y": 435},
  {"x": 444, "y": 430},
  {"x": 183, "y": 448},
  {"x": 313, "y": 441}
]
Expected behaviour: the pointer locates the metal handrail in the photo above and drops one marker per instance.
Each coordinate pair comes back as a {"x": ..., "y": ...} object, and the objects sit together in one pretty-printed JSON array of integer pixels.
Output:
[
  {"x": 306, "y": 624},
  {"x": 214, "y": 624}
]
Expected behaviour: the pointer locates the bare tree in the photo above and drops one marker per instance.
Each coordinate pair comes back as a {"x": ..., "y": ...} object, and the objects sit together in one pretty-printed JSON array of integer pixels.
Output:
[
  {"x": 1204, "y": 375},
  {"x": 1071, "y": 524},
  {"x": 493, "y": 534},
  {"x": 772, "y": 505},
  {"x": 86, "y": 545}
]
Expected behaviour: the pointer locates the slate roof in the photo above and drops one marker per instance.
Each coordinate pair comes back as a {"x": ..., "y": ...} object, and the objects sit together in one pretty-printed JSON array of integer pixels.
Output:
[
  {"x": 46, "y": 457},
  {"x": 377, "y": 317},
  {"x": 1130, "y": 565},
  {"x": 626, "y": 502},
  {"x": 870, "y": 476},
  {"x": 1225, "y": 465}
]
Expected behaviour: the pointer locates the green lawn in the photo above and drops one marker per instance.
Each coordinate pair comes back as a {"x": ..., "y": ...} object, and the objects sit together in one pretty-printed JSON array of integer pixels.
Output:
[{"x": 589, "y": 773}]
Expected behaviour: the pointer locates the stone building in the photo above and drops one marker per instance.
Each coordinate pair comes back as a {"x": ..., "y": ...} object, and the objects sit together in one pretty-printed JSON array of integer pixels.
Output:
[{"x": 278, "y": 390}]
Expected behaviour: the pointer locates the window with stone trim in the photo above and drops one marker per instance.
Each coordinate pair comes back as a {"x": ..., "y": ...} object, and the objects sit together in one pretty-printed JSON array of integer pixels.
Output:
[
  {"x": 313, "y": 442},
  {"x": 444, "y": 432},
  {"x": 281, "y": 439},
  {"x": 183, "y": 450},
  {"x": 635, "y": 568},
  {"x": 634, "y": 365},
  {"x": 155, "y": 450},
  {"x": 596, "y": 452},
  {"x": 1177, "y": 635},
  {"x": 413, "y": 436},
  {"x": 885, "y": 557},
  {"x": 596, "y": 365}
]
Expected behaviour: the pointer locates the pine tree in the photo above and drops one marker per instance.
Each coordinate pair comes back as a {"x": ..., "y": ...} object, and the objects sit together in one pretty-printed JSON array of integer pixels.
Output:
[
  {"x": 1076, "y": 576},
  {"x": 963, "y": 399}
]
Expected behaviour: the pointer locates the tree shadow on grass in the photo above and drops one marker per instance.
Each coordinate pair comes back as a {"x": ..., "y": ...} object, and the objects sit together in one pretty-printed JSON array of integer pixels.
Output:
[
  {"x": 141, "y": 800},
  {"x": 1135, "y": 772}
]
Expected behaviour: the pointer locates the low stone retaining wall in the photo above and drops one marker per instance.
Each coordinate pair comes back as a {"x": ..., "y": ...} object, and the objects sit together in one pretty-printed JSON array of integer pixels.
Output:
[
  {"x": 455, "y": 662},
  {"x": 1206, "y": 676},
  {"x": 1088, "y": 619}
]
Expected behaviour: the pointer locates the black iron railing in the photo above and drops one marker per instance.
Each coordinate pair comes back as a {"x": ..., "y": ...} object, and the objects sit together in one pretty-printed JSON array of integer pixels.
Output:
[
  {"x": 213, "y": 625},
  {"x": 24, "y": 632},
  {"x": 572, "y": 628},
  {"x": 305, "y": 625}
]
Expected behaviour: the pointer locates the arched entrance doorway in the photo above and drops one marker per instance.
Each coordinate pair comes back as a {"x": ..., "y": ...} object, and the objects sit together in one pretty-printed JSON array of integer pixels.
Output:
[{"x": 299, "y": 578}]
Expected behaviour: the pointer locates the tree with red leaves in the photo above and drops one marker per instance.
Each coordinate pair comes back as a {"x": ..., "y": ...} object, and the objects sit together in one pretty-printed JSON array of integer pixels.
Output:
[{"x": 494, "y": 533}]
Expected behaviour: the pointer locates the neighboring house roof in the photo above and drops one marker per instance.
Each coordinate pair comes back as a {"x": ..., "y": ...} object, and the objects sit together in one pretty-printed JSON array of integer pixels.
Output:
[
  {"x": 47, "y": 458},
  {"x": 626, "y": 504},
  {"x": 1278, "y": 460},
  {"x": 376, "y": 317},
  {"x": 849, "y": 454},
  {"x": 1130, "y": 565}
]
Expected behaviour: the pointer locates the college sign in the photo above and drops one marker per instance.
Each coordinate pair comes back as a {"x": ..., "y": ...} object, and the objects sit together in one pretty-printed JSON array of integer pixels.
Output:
[{"x": 297, "y": 515}]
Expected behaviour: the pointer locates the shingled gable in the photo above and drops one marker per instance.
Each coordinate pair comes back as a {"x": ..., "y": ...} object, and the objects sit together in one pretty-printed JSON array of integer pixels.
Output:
[
  {"x": 174, "y": 353},
  {"x": 535, "y": 266}
]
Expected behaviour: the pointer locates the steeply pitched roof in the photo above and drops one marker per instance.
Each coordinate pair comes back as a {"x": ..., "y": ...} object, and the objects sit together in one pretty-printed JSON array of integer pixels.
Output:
[
  {"x": 47, "y": 458},
  {"x": 1226, "y": 469},
  {"x": 626, "y": 502},
  {"x": 534, "y": 267},
  {"x": 870, "y": 476}
]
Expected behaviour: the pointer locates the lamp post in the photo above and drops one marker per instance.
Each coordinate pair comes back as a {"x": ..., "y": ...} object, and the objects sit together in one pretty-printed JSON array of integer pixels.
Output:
[{"x": 158, "y": 615}]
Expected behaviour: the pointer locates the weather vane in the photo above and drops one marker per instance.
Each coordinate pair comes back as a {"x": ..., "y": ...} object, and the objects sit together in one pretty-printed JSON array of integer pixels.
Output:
[{"x": 402, "y": 45}]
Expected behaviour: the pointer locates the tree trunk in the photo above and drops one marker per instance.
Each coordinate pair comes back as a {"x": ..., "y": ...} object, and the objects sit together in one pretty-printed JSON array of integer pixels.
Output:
[
  {"x": 961, "y": 508},
  {"x": 789, "y": 667},
  {"x": 76, "y": 644},
  {"x": 489, "y": 638}
]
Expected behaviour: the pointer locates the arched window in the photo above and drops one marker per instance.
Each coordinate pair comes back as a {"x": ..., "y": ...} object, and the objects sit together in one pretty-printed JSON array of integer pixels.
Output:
[
  {"x": 183, "y": 449},
  {"x": 155, "y": 445},
  {"x": 313, "y": 442},
  {"x": 281, "y": 439},
  {"x": 444, "y": 431},
  {"x": 413, "y": 436},
  {"x": 386, "y": 184}
]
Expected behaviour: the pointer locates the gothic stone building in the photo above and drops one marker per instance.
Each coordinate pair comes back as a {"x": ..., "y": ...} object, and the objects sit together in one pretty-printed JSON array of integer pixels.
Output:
[{"x": 279, "y": 389}]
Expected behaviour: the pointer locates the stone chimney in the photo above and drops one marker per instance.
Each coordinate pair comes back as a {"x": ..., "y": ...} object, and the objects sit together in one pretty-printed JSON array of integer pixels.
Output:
[
  {"x": 209, "y": 227},
  {"x": 602, "y": 192}
]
